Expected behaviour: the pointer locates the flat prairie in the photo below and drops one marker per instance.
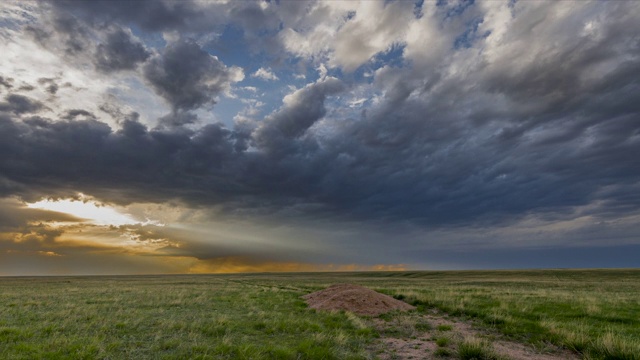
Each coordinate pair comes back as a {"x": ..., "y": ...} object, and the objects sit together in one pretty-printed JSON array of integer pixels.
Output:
[{"x": 532, "y": 314}]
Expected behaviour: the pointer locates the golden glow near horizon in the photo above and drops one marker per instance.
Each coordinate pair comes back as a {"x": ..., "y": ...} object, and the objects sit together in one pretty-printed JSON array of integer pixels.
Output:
[
  {"x": 108, "y": 239},
  {"x": 90, "y": 210}
]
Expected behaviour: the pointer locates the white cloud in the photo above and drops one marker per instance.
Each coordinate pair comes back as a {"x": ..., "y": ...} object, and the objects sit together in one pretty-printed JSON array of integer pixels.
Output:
[
  {"x": 27, "y": 63},
  {"x": 322, "y": 71},
  {"x": 265, "y": 74},
  {"x": 374, "y": 28},
  {"x": 79, "y": 86},
  {"x": 348, "y": 34},
  {"x": 357, "y": 103},
  {"x": 311, "y": 34},
  {"x": 426, "y": 43}
]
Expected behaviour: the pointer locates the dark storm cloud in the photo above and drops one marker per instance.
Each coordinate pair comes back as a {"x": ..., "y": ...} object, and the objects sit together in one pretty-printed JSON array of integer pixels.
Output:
[
  {"x": 89, "y": 151},
  {"x": 120, "y": 52},
  {"x": 150, "y": 15},
  {"x": 187, "y": 76},
  {"x": 542, "y": 134},
  {"x": 20, "y": 104},
  {"x": 423, "y": 175},
  {"x": 188, "y": 18},
  {"x": 178, "y": 118},
  {"x": 302, "y": 109}
]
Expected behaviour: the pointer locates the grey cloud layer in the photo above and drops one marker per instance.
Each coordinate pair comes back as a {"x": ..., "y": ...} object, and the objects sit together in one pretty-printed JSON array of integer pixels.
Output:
[
  {"x": 149, "y": 15},
  {"x": 544, "y": 130}
]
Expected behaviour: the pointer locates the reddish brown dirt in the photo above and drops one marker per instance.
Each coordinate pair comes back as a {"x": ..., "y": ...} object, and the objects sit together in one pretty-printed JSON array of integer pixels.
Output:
[
  {"x": 400, "y": 340},
  {"x": 355, "y": 299}
]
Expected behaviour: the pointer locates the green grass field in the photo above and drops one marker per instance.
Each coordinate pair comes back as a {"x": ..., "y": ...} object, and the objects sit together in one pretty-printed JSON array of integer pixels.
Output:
[{"x": 595, "y": 313}]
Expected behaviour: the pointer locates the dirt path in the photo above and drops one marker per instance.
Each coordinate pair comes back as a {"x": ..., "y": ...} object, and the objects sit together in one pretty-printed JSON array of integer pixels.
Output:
[
  {"x": 437, "y": 336},
  {"x": 409, "y": 334}
]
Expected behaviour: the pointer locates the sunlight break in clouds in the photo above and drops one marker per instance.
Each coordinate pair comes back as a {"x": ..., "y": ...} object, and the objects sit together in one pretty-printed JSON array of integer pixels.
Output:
[{"x": 86, "y": 209}]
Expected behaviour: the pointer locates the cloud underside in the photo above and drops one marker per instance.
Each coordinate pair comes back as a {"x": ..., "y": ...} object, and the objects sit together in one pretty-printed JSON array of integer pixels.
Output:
[
  {"x": 430, "y": 117},
  {"x": 399, "y": 163}
]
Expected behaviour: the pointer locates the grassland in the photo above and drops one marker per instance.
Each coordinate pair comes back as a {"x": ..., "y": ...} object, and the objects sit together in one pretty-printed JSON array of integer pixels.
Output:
[{"x": 595, "y": 313}]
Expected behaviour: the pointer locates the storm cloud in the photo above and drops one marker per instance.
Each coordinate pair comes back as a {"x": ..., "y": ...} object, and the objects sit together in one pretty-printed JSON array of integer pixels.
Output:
[
  {"x": 120, "y": 52},
  {"x": 149, "y": 15},
  {"x": 483, "y": 123},
  {"x": 187, "y": 76}
]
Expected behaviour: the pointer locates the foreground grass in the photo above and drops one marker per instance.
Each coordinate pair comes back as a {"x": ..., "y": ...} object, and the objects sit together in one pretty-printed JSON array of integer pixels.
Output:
[
  {"x": 593, "y": 312},
  {"x": 178, "y": 317}
]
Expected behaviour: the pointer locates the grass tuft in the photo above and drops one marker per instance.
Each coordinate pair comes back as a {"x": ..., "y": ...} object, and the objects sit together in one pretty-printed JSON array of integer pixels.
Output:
[
  {"x": 475, "y": 349},
  {"x": 443, "y": 352},
  {"x": 423, "y": 326},
  {"x": 443, "y": 341}
]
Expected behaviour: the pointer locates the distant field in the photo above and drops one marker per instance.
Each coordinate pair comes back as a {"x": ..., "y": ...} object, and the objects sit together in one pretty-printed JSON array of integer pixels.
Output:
[{"x": 595, "y": 313}]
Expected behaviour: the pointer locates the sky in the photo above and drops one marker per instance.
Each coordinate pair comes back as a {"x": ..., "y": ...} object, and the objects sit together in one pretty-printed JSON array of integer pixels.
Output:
[{"x": 199, "y": 136}]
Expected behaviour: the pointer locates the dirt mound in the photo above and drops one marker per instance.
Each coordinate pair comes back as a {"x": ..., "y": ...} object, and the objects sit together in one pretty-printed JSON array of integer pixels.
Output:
[{"x": 354, "y": 298}]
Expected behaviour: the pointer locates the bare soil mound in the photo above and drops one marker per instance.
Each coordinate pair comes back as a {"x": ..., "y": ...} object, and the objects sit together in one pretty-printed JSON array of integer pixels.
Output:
[{"x": 356, "y": 299}]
